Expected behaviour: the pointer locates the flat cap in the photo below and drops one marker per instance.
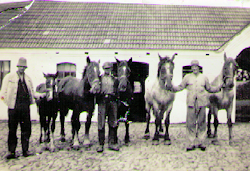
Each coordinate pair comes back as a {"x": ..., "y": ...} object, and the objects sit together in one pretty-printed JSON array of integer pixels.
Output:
[
  {"x": 194, "y": 62},
  {"x": 107, "y": 65}
]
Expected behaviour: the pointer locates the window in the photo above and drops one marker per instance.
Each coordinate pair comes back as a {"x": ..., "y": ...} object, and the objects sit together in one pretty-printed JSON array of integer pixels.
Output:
[
  {"x": 66, "y": 69},
  {"x": 4, "y": 69},
  {"x": 187, "y": 69}
]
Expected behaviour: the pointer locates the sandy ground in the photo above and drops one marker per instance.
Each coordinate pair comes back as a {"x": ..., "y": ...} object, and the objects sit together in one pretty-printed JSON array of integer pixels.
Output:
[{"x": 140, "y": 154}]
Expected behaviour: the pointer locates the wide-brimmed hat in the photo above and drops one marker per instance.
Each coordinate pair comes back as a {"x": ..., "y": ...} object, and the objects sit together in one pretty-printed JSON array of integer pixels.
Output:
[
  {"x": 22, "y": 62},
  {"x": 195, "y": 62},
  {"x": 107, "y": 65}
]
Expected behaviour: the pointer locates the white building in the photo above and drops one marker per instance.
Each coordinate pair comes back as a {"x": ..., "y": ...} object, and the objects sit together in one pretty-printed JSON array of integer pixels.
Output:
[{"x": 49, "y": 33}]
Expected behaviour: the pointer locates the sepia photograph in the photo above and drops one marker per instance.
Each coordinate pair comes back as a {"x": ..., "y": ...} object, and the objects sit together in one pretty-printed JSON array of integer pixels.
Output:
[{"x": 110, "y": 85}]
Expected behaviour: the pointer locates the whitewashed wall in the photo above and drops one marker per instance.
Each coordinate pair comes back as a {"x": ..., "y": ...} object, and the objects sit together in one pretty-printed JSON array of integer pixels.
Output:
[{"x": 45, "y": 60}]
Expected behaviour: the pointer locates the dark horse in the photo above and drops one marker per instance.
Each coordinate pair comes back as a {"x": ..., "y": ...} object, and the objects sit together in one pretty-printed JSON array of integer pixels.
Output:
[
  {"x": 79, "y": 95},
  {"x": 160, "y": 98},
  {"x": 224, "y": 98},
  {"x": 47, "y": 108},
  {"x": 125, "y": 93}
]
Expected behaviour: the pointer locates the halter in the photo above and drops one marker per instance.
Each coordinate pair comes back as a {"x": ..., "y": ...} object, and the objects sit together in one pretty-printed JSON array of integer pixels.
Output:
[{"x": 96, "y": 80}]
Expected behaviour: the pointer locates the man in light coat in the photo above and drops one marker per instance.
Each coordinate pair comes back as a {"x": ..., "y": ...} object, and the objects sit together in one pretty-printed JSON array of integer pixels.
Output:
[
  {"x": 18, "y": 94},
  {"x": 196, "y": 84}
]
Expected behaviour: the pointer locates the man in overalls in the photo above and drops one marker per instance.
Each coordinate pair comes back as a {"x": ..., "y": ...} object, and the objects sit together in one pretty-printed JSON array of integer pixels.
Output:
[
  {"x": 107, "y": 106},
  {"x": 196, "y": 84}
]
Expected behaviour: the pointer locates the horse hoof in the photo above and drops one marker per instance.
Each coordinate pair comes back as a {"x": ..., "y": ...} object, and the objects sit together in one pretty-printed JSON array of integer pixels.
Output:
[
  {"x": 155, "y": 142},
  {"x": 63, "y": 139},
  {"x": 215, "y": 142},
  {"x": 231, "y": 142},
  {"x": 86, "y": 143},
  {"x": 161, "y": 130},
  {"x": 76, "y": 147},
  {"x": 146, "y": 136},
  {"x": 210, "y": 136},
  {"x": 167, "y": 142},
  {"x": 126, "y": 140}
]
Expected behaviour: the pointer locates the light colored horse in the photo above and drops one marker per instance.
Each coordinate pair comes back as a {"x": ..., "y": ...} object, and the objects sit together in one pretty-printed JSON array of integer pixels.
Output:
[
  {"x": 159, "y": 98},
  {"x": 224, "y": 98}
]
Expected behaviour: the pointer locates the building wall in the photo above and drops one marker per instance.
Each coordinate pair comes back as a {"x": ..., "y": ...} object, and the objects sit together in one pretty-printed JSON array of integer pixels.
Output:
[{"x": 45, "y": 60}]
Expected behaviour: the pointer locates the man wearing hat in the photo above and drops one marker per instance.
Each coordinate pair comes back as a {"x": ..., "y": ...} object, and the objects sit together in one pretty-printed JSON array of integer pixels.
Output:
[
  {"x": 196, "y": 84},
  {"x": 18, "y": 94},
  {"x": 107, "y": 105}
]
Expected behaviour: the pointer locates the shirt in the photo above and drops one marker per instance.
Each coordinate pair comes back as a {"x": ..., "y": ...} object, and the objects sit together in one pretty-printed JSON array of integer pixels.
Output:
[
  {"x": 196, "y": 86},
  {"x": 10, "y": 86},
  {"x": 108, "y": 85}
]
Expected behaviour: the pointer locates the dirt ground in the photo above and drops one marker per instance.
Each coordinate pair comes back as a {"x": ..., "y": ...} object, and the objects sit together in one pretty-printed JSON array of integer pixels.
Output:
[{"x": 140, "y": 154}]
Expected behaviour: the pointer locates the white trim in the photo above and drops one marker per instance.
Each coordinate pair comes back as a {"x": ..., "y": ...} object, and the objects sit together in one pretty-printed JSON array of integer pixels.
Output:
[{"x": 239, "y": 42}]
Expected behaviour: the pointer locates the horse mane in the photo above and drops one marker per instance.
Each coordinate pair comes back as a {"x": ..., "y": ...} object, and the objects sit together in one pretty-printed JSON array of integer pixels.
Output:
[
  {"x": 219, "y": 79},
  {"x": 163, "y": 60}
]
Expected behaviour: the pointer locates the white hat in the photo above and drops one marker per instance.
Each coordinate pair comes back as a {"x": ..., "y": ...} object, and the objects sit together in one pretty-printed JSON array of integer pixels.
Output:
[{"x": 22, "y": 62}]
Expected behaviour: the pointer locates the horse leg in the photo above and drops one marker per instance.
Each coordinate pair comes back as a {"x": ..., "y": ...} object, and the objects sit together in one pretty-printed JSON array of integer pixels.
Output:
[
  {"x": 63, "y": 113},
  {"x": 147, "y": 134},
  {"x": 161, "y": 127},
  {"x": 75, "y": 128},
  {"x": 42, "y": 125},
  {"x": 167, "y": 140},
  {"x": 216, "y": 123},
  {"x": 209, "y": 123},
  {"x": 157, "y": 124},
  {"x": 53, "y": 125},
  {"x": 229, "y": 122},
  {"x": 87, "y": 128},
  {"x": 127, "y": 140}
]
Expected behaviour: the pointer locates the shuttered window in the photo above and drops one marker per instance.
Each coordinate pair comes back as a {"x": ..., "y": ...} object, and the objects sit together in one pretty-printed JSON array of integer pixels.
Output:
[
  {"x": 187, "y": 69},
  {"x": 4, "y": 69}
]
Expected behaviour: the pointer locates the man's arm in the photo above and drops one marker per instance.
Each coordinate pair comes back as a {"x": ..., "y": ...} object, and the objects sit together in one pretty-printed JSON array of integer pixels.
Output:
[
  {"x": 212, "y": 89},
  {"x": 181, "y": 86}
]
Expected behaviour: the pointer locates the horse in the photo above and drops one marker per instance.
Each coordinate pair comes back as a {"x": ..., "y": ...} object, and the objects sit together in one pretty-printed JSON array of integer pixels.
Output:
[
  {"x": 79, "y": 95},
  {"x": 224, "y": 98},
  {"x": 159, "y": 97},
  {"x": 125, "y": 93},
  {"x": 47, "y": 109}
]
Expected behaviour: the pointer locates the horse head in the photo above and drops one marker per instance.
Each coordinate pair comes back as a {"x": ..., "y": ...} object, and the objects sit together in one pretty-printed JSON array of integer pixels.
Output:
[
  {"x": 123, "y": 72},
  {"x": 228, "y": 72},
  {"x": 165, "y": 70},
  {"x": 92, "y": 76},
  {"x": 50, "y": 85}
]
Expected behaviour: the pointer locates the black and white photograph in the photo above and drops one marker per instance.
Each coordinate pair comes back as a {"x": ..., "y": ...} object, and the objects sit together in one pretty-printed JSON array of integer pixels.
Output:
[{"x": 125, "y": 85}]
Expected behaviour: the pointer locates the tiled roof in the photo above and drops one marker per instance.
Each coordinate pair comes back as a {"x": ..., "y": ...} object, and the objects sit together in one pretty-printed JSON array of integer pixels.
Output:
[
  {"x": 10, "y": 10},
  {"x": 75, "y": 25}
]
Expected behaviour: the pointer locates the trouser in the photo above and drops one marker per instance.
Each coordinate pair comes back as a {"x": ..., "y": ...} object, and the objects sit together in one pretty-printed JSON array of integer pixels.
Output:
[
  {"x": 22, "y": 116},
  {"x": 196, "y": 124},
  {"x": 108, "y": 108}
]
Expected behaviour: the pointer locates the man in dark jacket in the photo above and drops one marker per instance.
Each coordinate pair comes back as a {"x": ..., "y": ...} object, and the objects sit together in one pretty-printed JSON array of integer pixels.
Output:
[
  {"x": 17, "y": 92},
  {"x": 107, "y": 106}
]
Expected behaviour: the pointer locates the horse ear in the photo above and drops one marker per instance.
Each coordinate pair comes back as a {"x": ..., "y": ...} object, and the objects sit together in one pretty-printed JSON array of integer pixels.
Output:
[
  {"x": 44, "y": 74},
  {"x": 88, "y": 59},
  {"x": 117, "y": 60},
  {"x": 130, "y": 61},
  {"x": 225, "y": 56},
  {"x": 172, "y": 59},
  {"x": 160, "y": 56}
]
